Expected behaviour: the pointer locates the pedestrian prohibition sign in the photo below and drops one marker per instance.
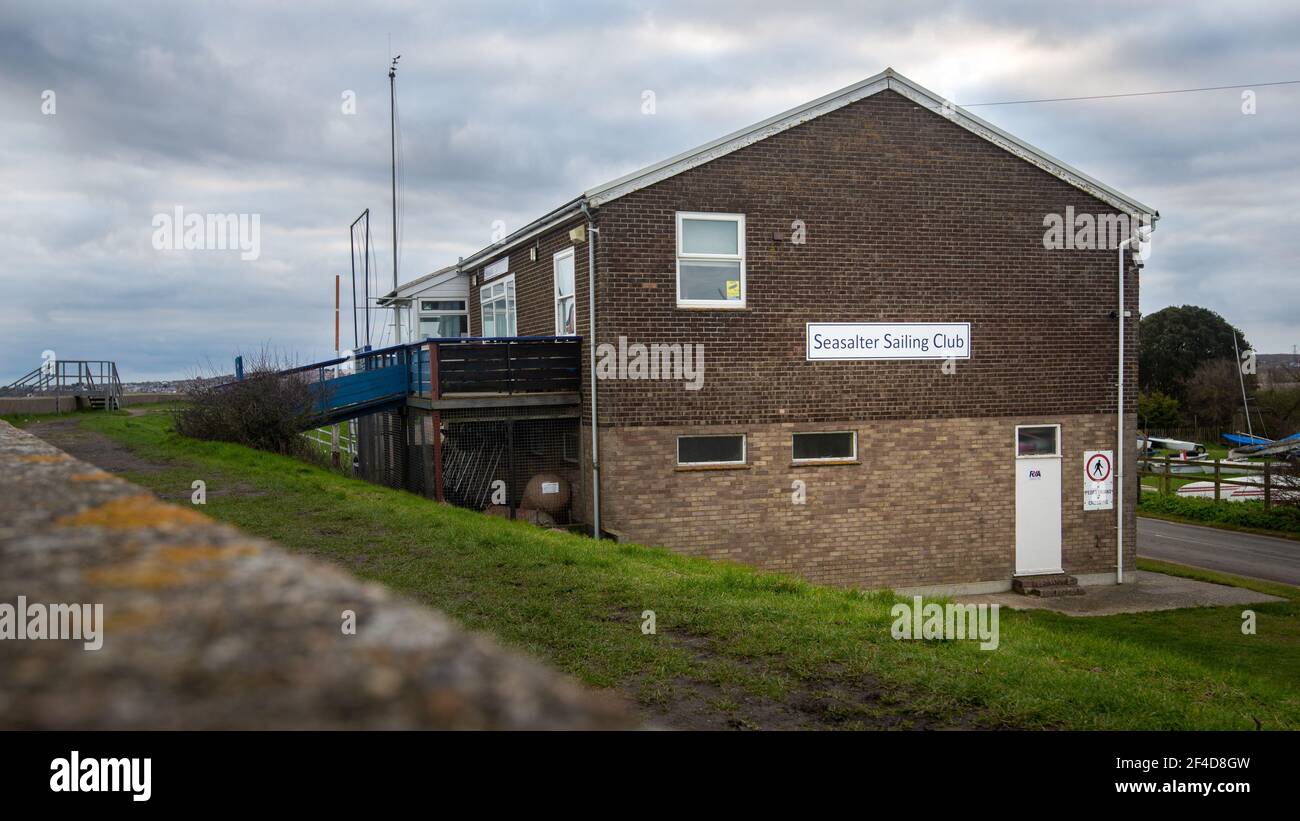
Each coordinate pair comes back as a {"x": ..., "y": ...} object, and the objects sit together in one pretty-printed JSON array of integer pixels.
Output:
[
  {"x": 1099, "y": 467},
  {"x": 1098, "y": 480}
]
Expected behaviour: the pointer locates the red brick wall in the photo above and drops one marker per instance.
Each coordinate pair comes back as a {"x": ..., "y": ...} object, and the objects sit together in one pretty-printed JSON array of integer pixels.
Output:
[
  {"x": 535, "y": 284},
  {"x": 930, "y": 502},
  {"x": 909, "y": 218}
]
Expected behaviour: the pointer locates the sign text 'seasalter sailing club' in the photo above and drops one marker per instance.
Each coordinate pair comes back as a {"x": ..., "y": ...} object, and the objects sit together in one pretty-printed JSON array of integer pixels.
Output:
[{"x": 887, "y": 340}]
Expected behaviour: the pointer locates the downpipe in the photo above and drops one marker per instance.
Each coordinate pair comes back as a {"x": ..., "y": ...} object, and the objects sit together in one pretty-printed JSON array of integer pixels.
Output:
[
  {"x": 592, "y": 232},
  {"x": 1120, "y": 446}
]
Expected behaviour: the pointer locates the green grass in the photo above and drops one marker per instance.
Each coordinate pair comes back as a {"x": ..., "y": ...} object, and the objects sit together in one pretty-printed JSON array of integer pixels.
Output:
[
  {"x": 22, "y": 420},
  {"x": 1200, "y": 574},
  {"x": 742, "y": 640},
  {"x": 1175, "y": 482}
]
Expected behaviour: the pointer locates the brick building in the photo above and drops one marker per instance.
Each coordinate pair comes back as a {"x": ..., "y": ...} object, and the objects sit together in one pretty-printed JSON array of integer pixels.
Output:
[{"x": 884, "y": 451}]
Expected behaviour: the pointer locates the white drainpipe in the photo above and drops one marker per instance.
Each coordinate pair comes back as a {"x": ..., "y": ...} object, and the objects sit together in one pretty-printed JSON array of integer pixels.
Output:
[
  {"x": 591, "y": 349},
  {"x": 1120, "y": 446}
]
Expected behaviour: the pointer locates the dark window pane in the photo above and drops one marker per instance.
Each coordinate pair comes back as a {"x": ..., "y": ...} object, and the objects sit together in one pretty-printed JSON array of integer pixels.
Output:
[
  {"x": 1036, "y": 441},
  {"x": 451, "y": 326},
  {"x": 442, "y": 305},
  {"x": 823, "y": 445},
  {"x": 710, "y": 280},
  {"x": 703, "y": 449}
]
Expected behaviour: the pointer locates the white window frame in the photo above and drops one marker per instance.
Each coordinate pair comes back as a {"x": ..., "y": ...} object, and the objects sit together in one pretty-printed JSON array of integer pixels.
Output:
[
  {"x": 555, "y": 291},
  {"x": 504, "y": 283},
  {"x": 852, "y": 457},
  {"x": 420, "y": 313},
  {"x": 744, "y": 450},
  {"x": 725, "y": 304},
  {"x": 1016, "y": 443}
]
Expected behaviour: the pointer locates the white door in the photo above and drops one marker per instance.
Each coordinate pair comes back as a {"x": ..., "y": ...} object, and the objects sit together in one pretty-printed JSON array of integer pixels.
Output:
[{"x": 1038, "y": 499}]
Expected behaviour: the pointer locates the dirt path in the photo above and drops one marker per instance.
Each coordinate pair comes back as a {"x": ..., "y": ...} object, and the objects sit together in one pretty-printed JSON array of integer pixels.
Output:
[{"x": 99, "y": 450}]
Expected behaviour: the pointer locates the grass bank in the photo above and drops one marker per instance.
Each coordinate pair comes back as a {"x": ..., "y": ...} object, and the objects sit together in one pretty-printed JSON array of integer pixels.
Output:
[{"x": 733, "y": 646}]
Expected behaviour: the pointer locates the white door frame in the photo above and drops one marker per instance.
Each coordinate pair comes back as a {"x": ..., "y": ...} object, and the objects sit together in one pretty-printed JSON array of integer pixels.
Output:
[{"x": 1038, "y": 507}]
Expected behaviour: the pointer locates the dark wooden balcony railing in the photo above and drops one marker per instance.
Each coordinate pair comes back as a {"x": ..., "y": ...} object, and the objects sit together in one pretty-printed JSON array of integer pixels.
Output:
[{"x": 497, "y": 365}]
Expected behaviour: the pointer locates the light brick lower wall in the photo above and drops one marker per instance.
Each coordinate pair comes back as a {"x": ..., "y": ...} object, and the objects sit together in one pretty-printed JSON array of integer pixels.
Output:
[{"x": 931, "y": 502}]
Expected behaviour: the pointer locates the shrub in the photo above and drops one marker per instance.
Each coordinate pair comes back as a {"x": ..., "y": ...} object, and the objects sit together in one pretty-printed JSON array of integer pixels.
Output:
[
  {"x": 265, "y": 410},
  {"x": 1250, "y": 514}
]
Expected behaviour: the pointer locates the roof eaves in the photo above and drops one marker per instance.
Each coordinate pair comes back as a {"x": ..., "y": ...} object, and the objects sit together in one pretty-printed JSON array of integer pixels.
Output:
[
  {"x": 1019, "y": 148},
  {"x": 538, "y": 226},
  {"x": 887, "y": 79}
]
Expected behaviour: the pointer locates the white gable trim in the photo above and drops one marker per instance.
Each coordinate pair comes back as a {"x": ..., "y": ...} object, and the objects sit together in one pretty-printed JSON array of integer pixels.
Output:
[
  {"x": 887, "y": 79},
  {"x": 736, "y": 140},
  {"x": 1020, "y": 148}
]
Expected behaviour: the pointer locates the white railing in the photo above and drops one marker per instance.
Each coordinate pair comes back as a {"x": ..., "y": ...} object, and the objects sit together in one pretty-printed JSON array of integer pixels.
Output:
[{"x": 324, "y": 437}]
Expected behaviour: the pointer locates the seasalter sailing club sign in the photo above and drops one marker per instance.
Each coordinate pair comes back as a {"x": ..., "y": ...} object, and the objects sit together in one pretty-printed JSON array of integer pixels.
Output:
[{"x": 887, "y": 340}]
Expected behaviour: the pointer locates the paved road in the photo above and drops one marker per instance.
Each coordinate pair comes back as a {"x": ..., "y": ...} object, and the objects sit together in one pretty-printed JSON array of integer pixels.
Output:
[{"x": 1245, "y": 554}]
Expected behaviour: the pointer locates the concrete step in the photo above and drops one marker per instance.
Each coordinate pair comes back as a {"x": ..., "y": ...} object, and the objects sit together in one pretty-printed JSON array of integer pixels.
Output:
[{"x": 1050, "y": 585}]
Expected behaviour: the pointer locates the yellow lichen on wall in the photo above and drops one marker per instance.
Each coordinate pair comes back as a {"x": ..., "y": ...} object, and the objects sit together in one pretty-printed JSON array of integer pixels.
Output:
[{"x": 132, "y": 512}]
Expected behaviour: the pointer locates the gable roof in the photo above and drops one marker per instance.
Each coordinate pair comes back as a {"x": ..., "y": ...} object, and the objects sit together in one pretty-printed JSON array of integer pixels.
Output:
[
  {"x": 886, "y": 80},
  {"x": 414, "y": 286}
]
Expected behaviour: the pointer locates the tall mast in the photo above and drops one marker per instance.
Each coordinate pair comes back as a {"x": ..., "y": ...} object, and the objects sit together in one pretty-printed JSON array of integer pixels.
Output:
[{"x": 392, "y": 133}]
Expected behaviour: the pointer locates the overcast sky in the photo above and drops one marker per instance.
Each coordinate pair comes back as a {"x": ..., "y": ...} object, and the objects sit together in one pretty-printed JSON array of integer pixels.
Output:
[{"x": 509, "y": 109}]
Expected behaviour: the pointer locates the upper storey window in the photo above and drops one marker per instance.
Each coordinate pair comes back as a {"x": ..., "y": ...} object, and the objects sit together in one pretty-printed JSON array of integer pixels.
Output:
[{"x": 710, "y": 260}]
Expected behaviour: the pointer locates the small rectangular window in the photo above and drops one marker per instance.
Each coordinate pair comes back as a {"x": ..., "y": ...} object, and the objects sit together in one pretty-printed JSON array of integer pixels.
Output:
[
  {"x": 711, "y": 260},
  {"x": 497, "y": 268},
  {"x": 441, "y": 305},
  {"x": 1037, "y": 440},
  {"x": 711, "y": 450},
  {"x": 831, "y": 446}
]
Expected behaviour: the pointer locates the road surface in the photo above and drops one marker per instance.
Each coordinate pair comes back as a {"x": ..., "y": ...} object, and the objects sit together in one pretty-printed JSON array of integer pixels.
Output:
[{"x": 1262, "y": 557}]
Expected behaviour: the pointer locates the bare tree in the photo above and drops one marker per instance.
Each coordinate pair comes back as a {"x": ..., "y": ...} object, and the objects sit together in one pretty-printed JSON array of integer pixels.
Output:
[
  {"x": 267, "y": 409},
  {"x": 1214, "y": 392}
]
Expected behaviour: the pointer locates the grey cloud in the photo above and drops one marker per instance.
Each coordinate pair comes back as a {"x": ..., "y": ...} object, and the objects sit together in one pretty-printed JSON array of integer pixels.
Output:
[{"x": 508, "y": 109}]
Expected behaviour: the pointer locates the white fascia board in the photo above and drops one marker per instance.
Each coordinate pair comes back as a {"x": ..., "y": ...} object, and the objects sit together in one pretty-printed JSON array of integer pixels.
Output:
[
  {"x": 1020, "y": 148},
  {"x": 736, "y": 140},
  {"x": 418, "y": 286},
  {"x": 565, "y": 213}
]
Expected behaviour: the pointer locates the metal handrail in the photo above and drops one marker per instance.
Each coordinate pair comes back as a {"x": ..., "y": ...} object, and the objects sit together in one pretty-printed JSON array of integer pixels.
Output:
[{"x": 70, "y": 376}]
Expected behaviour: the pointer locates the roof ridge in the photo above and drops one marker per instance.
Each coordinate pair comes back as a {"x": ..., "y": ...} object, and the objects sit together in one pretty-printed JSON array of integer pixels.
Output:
[{"x": 886, "y": 80}]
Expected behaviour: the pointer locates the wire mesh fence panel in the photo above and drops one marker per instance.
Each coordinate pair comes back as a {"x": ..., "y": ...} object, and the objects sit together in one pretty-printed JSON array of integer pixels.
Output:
[
  {"x": 508, "y": 461},
  {"x": 516, "y": 464},
  {"x": 383, "y": 449}
]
